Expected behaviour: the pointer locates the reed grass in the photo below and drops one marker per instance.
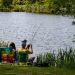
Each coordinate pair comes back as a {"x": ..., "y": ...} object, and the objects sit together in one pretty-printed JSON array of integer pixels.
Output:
[
  {"x": 4, "y": 43},
  {"x": 64, "y": 58},
  {"x": 46, "y": 59}
]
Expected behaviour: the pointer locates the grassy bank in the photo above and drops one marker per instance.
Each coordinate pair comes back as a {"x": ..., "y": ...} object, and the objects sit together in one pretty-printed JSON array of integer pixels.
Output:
[
  {"x": 35, "y": 8},
  {"x": 6, "y": 69},
  {"x": 46, "y": 64}
]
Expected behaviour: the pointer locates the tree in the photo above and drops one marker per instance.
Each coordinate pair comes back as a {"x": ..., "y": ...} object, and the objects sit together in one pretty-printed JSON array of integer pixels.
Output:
[{"x": 6, "y": 3}]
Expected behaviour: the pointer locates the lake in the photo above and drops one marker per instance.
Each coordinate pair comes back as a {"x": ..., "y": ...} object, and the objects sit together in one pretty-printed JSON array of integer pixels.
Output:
[{"x": 45, "y": 32}]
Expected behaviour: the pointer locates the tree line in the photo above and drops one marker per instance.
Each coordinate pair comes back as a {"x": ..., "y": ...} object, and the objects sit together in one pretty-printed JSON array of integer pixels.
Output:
[{"x": 39, "y": 6}]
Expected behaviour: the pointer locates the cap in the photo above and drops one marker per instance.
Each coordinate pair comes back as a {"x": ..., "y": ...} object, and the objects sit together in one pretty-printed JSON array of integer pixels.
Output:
[{"x": 24, "y": 41}]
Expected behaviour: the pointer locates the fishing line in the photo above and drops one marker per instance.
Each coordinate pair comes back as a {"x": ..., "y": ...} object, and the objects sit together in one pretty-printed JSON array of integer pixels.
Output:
[{"x": 35, "y": 34}]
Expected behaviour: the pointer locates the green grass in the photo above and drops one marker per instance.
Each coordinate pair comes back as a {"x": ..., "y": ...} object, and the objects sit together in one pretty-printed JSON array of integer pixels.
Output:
[{"x": 8, "y": 69}]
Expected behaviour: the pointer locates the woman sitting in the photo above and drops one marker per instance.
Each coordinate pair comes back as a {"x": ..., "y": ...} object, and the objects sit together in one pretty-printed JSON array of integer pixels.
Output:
[{"x": 13, "y": 47}]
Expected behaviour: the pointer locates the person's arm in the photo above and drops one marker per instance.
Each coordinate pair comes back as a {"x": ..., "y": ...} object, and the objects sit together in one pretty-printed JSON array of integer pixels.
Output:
[{"x": 29, "y": 49}]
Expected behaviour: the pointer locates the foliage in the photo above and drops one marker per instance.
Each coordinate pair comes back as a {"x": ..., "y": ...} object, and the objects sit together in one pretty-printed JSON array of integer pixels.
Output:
[
  {"x": 6, "y": 3},
  {"x": 64, "y": 58},
  {"x": 41, "y": 6},
  {"x": 47, "y": 59}
]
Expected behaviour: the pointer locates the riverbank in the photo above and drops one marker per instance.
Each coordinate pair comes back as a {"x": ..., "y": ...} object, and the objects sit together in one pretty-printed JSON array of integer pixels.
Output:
[
  {"x": 65, "y": 64},
  {"x": 63, "y": 58},
  {"x": 8, "y": 69},
  {"x": 33, "y": 8}
]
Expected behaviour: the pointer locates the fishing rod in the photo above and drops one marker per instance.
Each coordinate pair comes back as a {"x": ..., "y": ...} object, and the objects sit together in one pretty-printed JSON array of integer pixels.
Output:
[{"x": 35, "y": 34}]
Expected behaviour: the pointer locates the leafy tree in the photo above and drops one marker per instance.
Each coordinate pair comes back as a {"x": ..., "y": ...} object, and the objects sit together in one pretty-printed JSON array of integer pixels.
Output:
[{"x": 7, "y": 3}]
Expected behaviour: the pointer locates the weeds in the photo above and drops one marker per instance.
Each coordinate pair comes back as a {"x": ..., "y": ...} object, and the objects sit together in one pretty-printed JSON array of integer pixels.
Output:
[
  {"x": 3, "y": 43},
  {"x": 47, "y": 59},
  {"x": 64, "y": 58}
]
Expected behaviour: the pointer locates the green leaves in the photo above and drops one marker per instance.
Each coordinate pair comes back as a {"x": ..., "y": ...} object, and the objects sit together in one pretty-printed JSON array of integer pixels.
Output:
[{"x": 6, "y": 3}]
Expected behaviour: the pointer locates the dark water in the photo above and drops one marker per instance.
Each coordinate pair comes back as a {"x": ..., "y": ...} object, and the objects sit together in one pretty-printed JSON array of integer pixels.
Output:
[{"x": 45, "y": 32}]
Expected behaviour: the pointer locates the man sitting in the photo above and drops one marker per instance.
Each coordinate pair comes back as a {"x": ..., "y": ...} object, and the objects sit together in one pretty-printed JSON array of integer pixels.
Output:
[{"x": 24, "y": 51}]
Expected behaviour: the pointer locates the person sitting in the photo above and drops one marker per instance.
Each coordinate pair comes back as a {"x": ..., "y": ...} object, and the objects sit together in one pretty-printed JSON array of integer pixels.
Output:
[
  {"x": 24, "y": 51},
  {"x": 26, "y": 48},
  {"x": 13, "y": 47},
  {"x": 31, "y": 59}
]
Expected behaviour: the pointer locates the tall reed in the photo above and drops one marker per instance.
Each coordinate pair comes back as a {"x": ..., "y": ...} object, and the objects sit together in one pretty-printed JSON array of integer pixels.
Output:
[
  {"x": 64, "y": 58},
  {"x": 46, "y": 59},
  {"x": 3, "y": 43}
]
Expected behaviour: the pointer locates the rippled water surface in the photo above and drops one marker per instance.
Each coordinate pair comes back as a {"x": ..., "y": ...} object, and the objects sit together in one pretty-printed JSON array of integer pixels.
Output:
[{"x": 45, "y": 32}]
